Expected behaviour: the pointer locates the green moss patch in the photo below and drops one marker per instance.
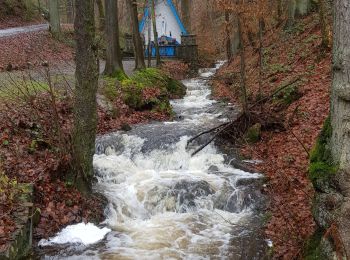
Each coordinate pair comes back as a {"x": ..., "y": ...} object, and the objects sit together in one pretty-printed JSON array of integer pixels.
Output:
[
  {"x": 312, "y": 248},
  {"x": 288, "y": 95},
  {"x": 321, "y": 167},
  {"x": 253, "y": 134},
  {"x": 148, "y": 89}
]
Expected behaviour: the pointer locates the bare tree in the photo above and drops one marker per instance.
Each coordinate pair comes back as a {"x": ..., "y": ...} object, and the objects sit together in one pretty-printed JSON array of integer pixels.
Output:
[
  {"x": 101, "y": 15},
  {"x": 85, "y": 115},
  {"x": 55, "y": 27},
  {"x": 186, "y": 13},
  {"x": 138, "y": 48},
  {"x": 155, "y": 32},
  {"x": 242, "y": 70},
  {"x": 228, "y": 36},
  {"x": 114, "y": 64},
  {"x": 340, "y": 111},
  {"x": 291, "y": 13},
  {"x": 323, "y": 22}
]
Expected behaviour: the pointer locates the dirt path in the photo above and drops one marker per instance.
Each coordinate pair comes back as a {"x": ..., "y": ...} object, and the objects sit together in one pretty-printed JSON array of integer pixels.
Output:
[{"x": 24, "y": 29}]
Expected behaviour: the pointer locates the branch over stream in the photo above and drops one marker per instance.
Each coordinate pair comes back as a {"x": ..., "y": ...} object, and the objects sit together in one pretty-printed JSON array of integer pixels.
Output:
[{"x": 242, "y": 121}]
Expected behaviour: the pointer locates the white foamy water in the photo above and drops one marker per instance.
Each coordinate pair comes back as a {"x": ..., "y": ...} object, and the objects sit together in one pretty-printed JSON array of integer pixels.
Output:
[
  {"x": 164, "y": 203},
  {"x": 85, "y": 234}
]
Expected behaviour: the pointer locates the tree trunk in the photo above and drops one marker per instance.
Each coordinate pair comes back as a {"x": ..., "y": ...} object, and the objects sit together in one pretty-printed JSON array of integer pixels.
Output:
[
  {"x": 279, "y": 11},
  {"x": 261, "y": 28},
  {"x": 242, "y": 70},
  {"x": 85, "y": 116},
  {"x": 55, "y": 27},
  {"x": 138, "y": 48},
  {"x": 186, "y": 13},
  {"x": 228, "y": 36},
  {"x": 70, "y": 11},
  {"x": 149, "y": 41},
  {"x": 155, "y": 33},
  {"x": 323, "y": 23},
  {"x": 302, "y": 7},
  {"x": 114, "y": 64},
  {"x": 101, "y": 14},
  {"x": 340, "y": 111},
  {"x": 291, "y": 13}
]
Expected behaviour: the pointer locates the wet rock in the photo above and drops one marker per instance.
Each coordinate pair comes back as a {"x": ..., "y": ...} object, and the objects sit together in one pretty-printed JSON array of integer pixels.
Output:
[
  {"x": 245, "y": 181},
  {"x": 126, "y": 127},
  {"x": 237, "y": 199},
  {"x": 240, "y": 200},
  {"x": 187, "y": 192},
  {"x": 213, "y": 169},
  {"x": 9, "y": 67},
  {"x": 197, "y": 189},
  {"x": 45, "y": 63}
]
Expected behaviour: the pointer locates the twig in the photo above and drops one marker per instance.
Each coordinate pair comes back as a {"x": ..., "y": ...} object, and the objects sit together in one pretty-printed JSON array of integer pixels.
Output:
[
  {"x": 211, "y": 139},
  {"x": 205, "y": 132},
  {"x": 299, "y": 141}
]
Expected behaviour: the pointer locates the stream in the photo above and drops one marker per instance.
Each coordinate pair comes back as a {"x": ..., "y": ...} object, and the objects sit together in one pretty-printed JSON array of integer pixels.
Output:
[{"x": 165, "y": 203}]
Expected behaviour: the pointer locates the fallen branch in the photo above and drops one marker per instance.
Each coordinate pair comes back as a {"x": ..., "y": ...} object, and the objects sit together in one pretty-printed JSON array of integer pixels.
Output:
[
  {"x": 211, "y": 139},
  {"x": 205, "y": 132},
  {"x": 226, "y": 125}
]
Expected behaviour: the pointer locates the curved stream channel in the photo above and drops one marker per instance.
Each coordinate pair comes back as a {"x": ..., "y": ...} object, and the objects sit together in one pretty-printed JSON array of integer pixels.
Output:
[{"x": 165, "y": 204}]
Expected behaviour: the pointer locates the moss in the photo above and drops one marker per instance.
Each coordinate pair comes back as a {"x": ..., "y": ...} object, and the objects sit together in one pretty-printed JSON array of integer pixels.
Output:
[
  {"x": 253, "y": 134},
  {"x": 176, "y": 88},
  {"x": 23, "y": 88},
  {"x": 321, "y": 167},
  {"x": 312, "y": 248},
  {"x": 278, "y": 68},
  {"x": 132, "y": 95},
  {"x": 133, "y": 87},
  {"x": 109, "y": 88},
  {"x": 288, "y": 95}
]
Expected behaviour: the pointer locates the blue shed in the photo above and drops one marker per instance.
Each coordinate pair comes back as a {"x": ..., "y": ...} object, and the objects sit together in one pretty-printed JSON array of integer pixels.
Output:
[{"x": 169, "y": 28}]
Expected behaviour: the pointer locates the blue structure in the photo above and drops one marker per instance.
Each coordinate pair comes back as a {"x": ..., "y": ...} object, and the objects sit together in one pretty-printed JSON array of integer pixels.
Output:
[{"x": 169, "y": 28}]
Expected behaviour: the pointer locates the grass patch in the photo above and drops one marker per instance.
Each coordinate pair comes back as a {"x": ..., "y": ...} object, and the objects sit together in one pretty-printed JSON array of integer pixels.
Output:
[
  {"x": 312, "y": 248},
  {"x": 278, "y": 68},
  {"x": 289, "y": 94},
  {"x": 22, "y": 89}
]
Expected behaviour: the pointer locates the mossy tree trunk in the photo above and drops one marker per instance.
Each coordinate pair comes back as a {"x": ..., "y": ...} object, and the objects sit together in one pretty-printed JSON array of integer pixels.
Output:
[
  {"x": 138, "y": 46},
  {"x": 85, "y": 115},
  {"x": 340, "y": 111},
  {"x": 55, "y": 27},
  {"x": 155, "y": 32},
  {"x": 101, "y": 15},
  {"x": 114, "y": 64}
]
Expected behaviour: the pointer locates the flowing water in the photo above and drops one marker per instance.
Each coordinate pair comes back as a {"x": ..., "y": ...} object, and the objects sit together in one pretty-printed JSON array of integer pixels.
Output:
[{"x": 165, "y": 204}]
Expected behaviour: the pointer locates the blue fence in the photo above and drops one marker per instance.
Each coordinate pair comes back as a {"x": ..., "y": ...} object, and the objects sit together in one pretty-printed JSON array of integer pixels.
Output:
[{"x": 164, "y": 51}]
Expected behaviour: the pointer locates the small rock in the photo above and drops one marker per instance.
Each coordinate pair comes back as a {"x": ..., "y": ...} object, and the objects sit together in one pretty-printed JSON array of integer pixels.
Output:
[
  {"x": 45, "y": 63},
  {"x": 9, "y": 67},
  {"x": 126, "y": 127}
]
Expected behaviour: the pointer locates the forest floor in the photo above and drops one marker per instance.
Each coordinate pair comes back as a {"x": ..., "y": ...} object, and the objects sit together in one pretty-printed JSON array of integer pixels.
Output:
[
  {"x": 33, "y": 149},
  {"x": 301, "y": 108}
]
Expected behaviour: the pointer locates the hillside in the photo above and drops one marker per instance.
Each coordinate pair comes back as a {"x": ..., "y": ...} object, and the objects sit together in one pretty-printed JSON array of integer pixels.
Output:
[{"x": 296, "y": 116}]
